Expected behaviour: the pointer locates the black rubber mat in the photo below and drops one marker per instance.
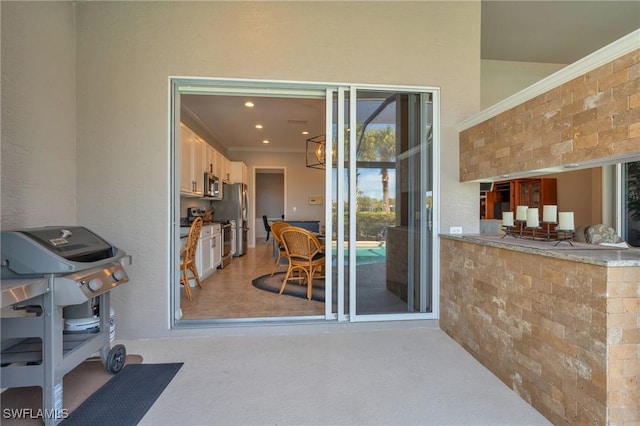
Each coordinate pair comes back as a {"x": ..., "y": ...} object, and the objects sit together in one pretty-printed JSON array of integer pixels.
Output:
[{"x": 125, "y": 399}]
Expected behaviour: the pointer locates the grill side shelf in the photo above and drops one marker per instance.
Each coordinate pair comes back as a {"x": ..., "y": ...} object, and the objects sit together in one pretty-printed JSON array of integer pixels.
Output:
[{"x": 18, "y": 290}]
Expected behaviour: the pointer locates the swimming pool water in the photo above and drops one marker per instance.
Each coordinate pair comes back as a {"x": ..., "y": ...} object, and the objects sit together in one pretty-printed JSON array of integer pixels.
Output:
[{"x": 366, "y": 255}]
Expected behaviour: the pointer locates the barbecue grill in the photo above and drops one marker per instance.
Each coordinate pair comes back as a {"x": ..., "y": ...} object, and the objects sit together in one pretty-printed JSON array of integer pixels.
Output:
[{"x": 44, "y": 270}]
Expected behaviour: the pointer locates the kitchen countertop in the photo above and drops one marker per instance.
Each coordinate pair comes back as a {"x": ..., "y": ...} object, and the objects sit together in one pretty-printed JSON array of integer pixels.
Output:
[
  {"x": 184, "y": 230},
  {"x": 183, "y": 224},
  {"x": 581, "y": 252},
  {"x": 299, "y": 221}
]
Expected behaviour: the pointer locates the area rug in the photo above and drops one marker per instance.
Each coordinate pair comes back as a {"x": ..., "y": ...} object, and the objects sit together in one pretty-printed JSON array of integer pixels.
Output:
[
  {"x": 293, "y": 288},
  {"x": 78, "y": 385},
  {"x": 126, "y": 398}
]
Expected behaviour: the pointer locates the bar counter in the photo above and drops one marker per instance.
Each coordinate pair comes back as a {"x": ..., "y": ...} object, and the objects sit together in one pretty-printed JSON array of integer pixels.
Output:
[
  {"x": 579, "y": 252},
  {"x": 560, "y": 327}
]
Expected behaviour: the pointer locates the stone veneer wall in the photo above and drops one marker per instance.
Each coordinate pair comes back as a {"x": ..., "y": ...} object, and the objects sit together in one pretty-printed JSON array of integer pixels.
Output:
[
  {"x": 594, "y": 116},
  {"x": 397, "y": 261},
  {"x": 623, "y": 351},
  {"x": 563, "y": 335},
  {"x": 398, "y": 264}
]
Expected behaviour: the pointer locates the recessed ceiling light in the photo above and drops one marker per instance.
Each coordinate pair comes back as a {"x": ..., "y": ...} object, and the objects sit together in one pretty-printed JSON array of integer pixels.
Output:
[
  {"x": 258, "y": 126},
  {"x": 305, "y": 132},
  {"x": 249, "y": 104},
  {"x": 265, "y": 141}
]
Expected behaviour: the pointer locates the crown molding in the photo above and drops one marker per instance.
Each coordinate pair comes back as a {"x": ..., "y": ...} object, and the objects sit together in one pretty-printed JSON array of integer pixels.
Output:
[{"x": 265, "y": 149}]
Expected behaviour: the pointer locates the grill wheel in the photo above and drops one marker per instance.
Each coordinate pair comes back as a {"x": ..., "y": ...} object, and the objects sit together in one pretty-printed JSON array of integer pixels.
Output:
[{"x": 115, "y": 359}]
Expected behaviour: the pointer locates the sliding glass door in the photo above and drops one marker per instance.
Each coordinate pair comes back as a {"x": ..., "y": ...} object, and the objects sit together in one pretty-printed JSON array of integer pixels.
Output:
[
  {"x": 377, "y": 151},
  {"x": 382, "y": 211}
]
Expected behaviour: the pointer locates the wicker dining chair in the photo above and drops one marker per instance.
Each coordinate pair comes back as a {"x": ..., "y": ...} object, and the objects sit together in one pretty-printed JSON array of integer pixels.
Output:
[
  {"x": 276, "y": 230},
  {"x": 267, "y": 227},
  {"x": 188, "y": 258},
  {"x": 304, "y": 252}
]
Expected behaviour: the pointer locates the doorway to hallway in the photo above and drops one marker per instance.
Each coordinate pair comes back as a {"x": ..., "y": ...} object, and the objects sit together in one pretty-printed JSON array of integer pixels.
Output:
[{"x": 270, "y": 197}]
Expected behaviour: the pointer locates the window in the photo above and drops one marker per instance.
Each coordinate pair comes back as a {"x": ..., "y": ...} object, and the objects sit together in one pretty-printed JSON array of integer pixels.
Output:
[{"x": 631, "y": 203}]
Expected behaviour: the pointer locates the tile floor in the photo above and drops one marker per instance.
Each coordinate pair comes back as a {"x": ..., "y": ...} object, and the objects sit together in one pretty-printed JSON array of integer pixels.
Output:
[{"x": 228, "y": 293}]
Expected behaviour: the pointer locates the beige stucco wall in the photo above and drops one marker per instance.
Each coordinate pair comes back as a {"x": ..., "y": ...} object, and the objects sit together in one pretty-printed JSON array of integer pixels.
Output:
[
  {"x": 501, "y": 79},
  {"x": 125, "y": 54},
  {"x": 38, "y": 115}
]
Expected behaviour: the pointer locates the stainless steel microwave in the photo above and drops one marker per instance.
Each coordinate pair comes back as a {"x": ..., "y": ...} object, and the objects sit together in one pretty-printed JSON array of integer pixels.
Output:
[{"x": 212, "y": 188}]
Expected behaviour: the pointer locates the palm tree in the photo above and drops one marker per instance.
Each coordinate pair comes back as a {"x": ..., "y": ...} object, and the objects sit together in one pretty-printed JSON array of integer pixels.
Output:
[{"x": 379, "y": 144}]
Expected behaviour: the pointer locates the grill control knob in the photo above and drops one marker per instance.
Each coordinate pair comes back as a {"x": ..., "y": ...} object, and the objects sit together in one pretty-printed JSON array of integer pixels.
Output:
[
  {"x": 118, "y": 275},
  {"x": 95, "y": 284}
]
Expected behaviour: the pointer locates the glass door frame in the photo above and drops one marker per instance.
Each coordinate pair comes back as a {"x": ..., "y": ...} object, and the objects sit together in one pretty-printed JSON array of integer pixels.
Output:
[
  {"x": 433, "y": 195},
  {"x": 199, "y": 85}
]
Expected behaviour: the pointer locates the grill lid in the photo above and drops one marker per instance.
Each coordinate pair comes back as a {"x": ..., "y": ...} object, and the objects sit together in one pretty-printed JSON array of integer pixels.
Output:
[
  {"x": 72, "y": 243},
  {"x": 54, "y": 249}
]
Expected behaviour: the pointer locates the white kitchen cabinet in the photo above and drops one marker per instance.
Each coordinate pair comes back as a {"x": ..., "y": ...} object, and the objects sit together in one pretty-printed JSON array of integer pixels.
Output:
[
  {"x": 216, "y": 244},
  {"x": 192, "y": 162},
  {"x": 219, "y": 172},
  {"x": 198, "y": 163},
  {"x": 209, "y": 158},
  {"x": 186, "y": 137},
  {"x": 239, "y": 172},
  {"x": 218, "y": 164},
  {"x": 226, "y": 170},
  {"x": 204, "y": 253}
]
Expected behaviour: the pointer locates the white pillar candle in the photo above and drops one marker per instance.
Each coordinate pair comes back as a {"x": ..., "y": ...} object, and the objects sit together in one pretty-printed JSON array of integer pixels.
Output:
[
  {"x": 521, "y": 212},
  {"x": 532, "y": 218},
  {"x": 550, "y": 214},
  {"x": 565, "y": 222},
  {"x": 507, "y": 218}
]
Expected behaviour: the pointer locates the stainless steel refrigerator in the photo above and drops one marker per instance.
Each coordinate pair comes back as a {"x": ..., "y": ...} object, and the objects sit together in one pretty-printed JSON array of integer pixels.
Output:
[{"x": 234, "y": 206}]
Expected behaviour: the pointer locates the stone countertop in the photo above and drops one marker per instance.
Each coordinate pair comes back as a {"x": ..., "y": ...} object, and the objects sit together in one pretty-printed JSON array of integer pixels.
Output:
[{"x": 610, "y": 257}]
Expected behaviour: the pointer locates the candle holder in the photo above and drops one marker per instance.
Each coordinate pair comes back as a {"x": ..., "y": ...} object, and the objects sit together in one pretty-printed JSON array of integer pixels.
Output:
[
  {"x": 520, "y": 224},
  {"x": 507, "y": 223},
  {"x": 548, "y": 229},
  {"x": 508, "y": 230},
  {"x": 565, "y": 235},
  {"x": 533, "y": 231}
]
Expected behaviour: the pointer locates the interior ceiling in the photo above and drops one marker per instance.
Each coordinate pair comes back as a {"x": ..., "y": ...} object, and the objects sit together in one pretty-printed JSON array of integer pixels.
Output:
[
  {"x": 234, "y": 125},
  {"x": 559, "y": 32}
]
